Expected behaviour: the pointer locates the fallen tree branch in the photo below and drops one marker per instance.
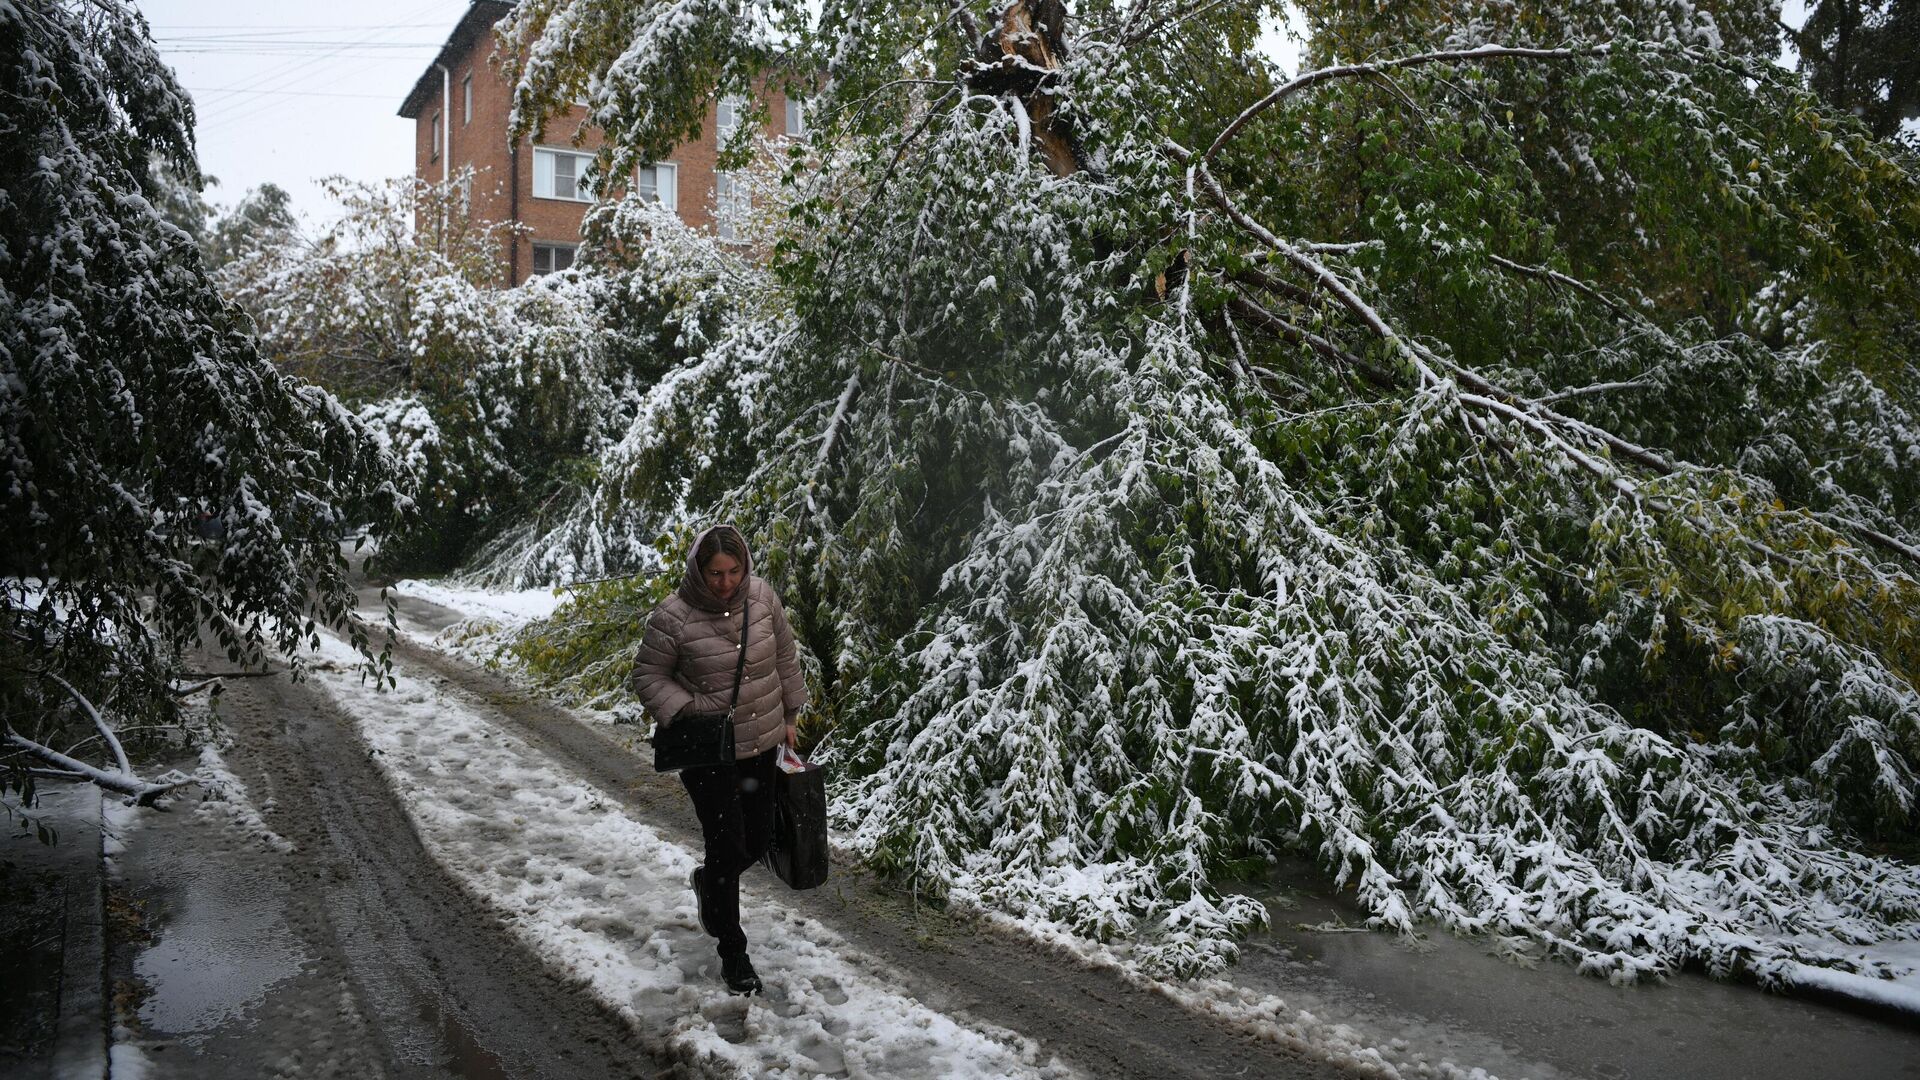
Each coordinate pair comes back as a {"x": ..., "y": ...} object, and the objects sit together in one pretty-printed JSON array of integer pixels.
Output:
[
  {"x": 832, "y": 430},
  {"x": 1590, "y": 390},
  {"x": 886, "y": 177},
  {"x": 99, "y": 722},
  {"x": 1489, "y": 396},
  {"x": 1279, "y": 326},
  {"x": 142, "y": 792}
]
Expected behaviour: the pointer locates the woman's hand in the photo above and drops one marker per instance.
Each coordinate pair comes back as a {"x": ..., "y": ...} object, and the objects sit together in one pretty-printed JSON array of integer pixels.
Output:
[{"x": 793, "y": 737}]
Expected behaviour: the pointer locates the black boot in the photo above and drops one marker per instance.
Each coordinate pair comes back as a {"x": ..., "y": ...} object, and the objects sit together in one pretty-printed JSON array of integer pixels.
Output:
[
  {"x": 699, "y": 899},
  {"x": 738, "y": 971}
]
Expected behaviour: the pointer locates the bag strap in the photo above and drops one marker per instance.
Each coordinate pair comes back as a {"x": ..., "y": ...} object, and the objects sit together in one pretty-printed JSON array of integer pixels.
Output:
[{"x": 740, "y": 666}]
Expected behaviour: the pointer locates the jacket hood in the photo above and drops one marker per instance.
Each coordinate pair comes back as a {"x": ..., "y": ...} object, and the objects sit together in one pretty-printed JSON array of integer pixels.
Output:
[{"x": 693, "y": 589}]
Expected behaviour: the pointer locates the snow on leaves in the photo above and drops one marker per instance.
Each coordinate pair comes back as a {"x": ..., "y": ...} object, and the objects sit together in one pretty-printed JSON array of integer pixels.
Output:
[
  {"x": 1423, "y": 505},
  {"x": 161, "y": 476}
]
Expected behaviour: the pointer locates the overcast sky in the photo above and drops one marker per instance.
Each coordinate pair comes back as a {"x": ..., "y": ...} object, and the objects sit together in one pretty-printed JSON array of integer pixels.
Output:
[{"x": 290, "y": 93}]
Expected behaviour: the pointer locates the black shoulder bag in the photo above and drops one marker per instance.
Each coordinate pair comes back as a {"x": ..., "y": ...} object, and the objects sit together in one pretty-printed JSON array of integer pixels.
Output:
[{"x": 701, "y": 738}]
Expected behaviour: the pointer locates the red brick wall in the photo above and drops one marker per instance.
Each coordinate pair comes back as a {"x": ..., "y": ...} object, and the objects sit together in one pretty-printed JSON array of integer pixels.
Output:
[{"x": 482, "y": 142}]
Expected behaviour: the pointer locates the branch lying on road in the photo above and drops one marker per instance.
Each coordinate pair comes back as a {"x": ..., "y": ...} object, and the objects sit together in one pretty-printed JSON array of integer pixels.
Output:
[
  {"x": 140, "y": 791},
  {"x": 99, "y": 722}
]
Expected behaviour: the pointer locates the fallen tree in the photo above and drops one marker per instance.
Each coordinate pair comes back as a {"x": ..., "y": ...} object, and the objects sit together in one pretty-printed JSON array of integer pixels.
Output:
[
  {"x": 162, "y": 480},
  {"x": 1491, "y": 470}
]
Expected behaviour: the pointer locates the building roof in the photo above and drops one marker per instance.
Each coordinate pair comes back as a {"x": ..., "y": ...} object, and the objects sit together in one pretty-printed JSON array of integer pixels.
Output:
[{"x": 477, "y": 22}]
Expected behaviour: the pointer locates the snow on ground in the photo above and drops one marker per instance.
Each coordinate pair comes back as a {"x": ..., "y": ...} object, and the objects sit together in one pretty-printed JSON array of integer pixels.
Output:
[
  {"x": 605, "y": 898},
  {"x": 1268, "y": 1017},
  {"x": 1384, "y": 1047},
  {"x": 228, "y": 801},
  {"x": 508, "y": 609},
  {"x": 1901, "y": 992}
]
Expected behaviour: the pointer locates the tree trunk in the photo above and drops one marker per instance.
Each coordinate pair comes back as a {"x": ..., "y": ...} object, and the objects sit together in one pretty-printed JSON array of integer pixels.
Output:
[{"x": 1020, "y": 58}]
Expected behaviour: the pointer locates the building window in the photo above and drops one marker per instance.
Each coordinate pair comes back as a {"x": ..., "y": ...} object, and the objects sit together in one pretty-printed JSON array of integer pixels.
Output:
[
  {"x": 727, "y": 116},
  {"x": 730, "y": 204},
  {"x": 796, "y": 118},
  {"x": 659, "y": 183},
  {"x": 466, "y": 100},
  {"x": 552, "y": 258},
  {"x": 557, "y": 175},
  {"x": 436, "y": 137}
]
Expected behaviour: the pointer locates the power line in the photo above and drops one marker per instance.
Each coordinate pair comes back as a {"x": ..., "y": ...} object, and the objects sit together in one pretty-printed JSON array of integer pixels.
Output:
[
  {"x": 294, "y": 93},
  {"x": 291, "y": 76},
  {"x": 293, "y": 27},
  {"x": 246, "y": 105},
  {"x": 402, "y": 53}
]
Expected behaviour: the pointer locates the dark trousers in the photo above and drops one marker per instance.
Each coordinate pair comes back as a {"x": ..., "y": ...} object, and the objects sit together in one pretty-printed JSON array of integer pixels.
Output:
[{"x": 735, "y": 805}]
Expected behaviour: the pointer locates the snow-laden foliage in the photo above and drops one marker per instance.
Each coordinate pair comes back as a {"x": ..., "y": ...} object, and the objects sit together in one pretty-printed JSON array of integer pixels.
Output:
[
  {"x": 1489, "y": 471},
  {"x": 160, "y": 476},
  {"x": 491, "y": 399}
]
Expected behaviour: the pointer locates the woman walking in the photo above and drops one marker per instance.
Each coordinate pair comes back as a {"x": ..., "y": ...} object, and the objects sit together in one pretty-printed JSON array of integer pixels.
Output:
[{"x": 687, "y": 663}]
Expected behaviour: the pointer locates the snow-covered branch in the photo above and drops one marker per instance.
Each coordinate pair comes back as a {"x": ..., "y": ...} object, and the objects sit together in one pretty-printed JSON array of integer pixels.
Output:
[
  {"x": 99, "y": 722},
  {"x": 1349, "y": 71},
  {"x": 124, "y": 782}
]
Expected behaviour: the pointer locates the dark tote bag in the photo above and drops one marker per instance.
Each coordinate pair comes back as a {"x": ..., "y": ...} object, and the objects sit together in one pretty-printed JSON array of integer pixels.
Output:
[
  {"x": 695, "y": 739},
  {"x": 798, "y": 852}
]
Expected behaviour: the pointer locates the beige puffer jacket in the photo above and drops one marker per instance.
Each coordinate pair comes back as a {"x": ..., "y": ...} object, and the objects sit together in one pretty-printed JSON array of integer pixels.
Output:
[{"x": 687, "y": 658}]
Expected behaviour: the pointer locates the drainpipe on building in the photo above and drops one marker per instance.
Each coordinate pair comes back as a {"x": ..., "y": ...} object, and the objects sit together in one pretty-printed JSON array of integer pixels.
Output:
[
  {"x": 513, "y": 213},
  {"x": 446, "y": 145}
]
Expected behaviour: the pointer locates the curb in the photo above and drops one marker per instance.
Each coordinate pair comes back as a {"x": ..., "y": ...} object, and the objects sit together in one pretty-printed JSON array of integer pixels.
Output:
[
  {"x": 67, "y": 996},
  {"x": 80, "y": 1041}
]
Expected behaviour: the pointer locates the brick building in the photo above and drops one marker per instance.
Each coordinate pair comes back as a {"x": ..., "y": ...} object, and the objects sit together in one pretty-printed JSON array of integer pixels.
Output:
[{"x": 459, "y": 108}]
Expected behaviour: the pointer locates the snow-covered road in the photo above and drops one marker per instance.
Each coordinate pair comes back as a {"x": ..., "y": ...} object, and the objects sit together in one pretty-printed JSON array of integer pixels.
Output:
[
  {"x": 604, "y": 896},
  {"x": 1359, "y": 1000}
]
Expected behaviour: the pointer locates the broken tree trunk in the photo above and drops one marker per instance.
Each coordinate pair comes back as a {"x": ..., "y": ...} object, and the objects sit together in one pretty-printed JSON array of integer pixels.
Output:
[{"x": 1020, "y": 60}]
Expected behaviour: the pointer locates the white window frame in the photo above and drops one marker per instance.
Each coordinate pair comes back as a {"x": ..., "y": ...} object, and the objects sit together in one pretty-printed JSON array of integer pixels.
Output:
[
  {"x": 466, "y": 100},
  {"x": 572, "y": 250},
  {"x": 730, "y": 202},
  {"x": 544, "y": 176},
  {"x": 666, "y": 183},
  {"x": 796, "y": 118},
  {"x": 435, "y": 137},
  {"x": 724, "y": 125}
]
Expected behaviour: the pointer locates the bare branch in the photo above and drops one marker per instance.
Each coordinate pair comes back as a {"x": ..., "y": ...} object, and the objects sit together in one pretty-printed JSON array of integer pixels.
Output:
[
  {"x": 1590, "y": 390},
  {"x": 126, "y": 783},
  {"x": 99, "y": 722},
  {"x": 1281, "y": 327},
  {"x": 1559, "y": 278},
  {"x": 1348, "y": 71}
]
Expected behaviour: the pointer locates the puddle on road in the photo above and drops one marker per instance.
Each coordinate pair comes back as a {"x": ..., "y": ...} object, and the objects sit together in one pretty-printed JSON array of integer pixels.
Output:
[
  {"x": 1451, "y": 999},
  {"x": 223, "y": 941}
]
